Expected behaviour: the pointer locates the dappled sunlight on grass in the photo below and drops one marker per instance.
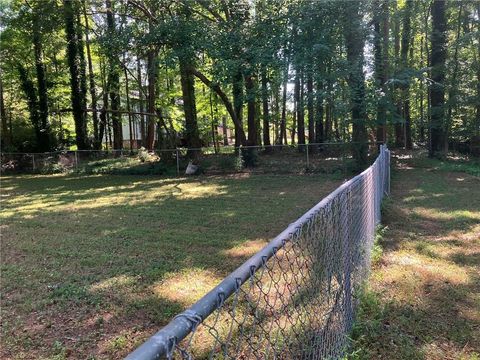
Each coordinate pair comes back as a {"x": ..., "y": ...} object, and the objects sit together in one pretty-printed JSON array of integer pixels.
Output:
[
  {"x": 187, "y": 286},
  {"x": 246, "y": 249},
  {"x": 428, "y": 280},
  {"x": 95, "y": 264},
  {"x": 134, "y": 194},
  {"x": 435, "y": 214}
]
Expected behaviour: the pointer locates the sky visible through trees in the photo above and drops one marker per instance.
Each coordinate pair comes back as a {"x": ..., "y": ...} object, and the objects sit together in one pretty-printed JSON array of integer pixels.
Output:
[{"x": 81, "y": 74}]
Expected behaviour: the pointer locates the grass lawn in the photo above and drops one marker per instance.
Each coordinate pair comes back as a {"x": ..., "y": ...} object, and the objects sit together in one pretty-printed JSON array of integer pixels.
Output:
[
  {"x": 424, "y": 295},
  {"x": 93, "y": 265}
]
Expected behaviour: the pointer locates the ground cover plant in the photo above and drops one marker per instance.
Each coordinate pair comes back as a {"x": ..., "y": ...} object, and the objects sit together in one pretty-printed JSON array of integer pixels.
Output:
[{"x": 92, "y": 265}]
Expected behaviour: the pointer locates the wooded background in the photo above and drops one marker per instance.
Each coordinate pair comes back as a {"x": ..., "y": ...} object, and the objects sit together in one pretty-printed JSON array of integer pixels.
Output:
[{"x": 273, "y": 71}]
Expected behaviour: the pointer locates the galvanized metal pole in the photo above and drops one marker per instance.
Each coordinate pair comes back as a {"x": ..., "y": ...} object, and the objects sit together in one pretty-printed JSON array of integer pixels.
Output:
[
  {"x": 308, "y": 163},
  {"x": 33, "y": 162},
  {"x": 178, "y": 163}
]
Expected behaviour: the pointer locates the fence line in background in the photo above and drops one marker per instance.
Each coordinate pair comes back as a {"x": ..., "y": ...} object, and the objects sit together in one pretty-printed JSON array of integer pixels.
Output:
[
  {"x": 209, "y": 148},
  {"x": 294, "y": 158},
  {"x": 295, "y": 299}
]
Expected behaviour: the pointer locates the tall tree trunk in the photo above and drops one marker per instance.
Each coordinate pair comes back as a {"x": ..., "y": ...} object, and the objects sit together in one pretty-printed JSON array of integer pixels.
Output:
[
  {"x": 6, "y": 140},
  {"x": 319, "y": 131},
  {"x": 91, "y": 78},
  {"x": 452, "y": 92},
  {"x": 251, "y": 113},
  {"x": 422, "y": 100},
  {"x": 44, "y": 144},
  {"x": 311, "y": 118},
  {"x": 114, "y": 80},
  {"x": 152, "y": 80},
  {"x": 398, "y": 118},
  {"x": 103, "y": 124},
  {"x": 189, "y": 105},
  {"x": 283, "y": 120},
  {"x": 127, "y": 97},
  {"x": 406, "y": 38},
  {"x": 300, "y": 108},
  {"x": 75, "y": 74},
  {"x": 356, "y": 79},
  {"x": 381, "y": 40},
  {"x": 437, "y": 88},
  {"x": 30, "y": 92},
  {"x": 140, "y": 102},
  {"x": 224, "y": 130},
  {"x": 477, "y": 117},
  {"x": 237, "y": 92},
  {"x": 265, "y": 110}
]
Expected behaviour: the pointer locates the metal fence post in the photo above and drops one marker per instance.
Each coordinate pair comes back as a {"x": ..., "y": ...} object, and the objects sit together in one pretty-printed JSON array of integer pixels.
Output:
[
  {"x": 76, "y": 160},
  {"x": 178, "y": 162},
  {"x": 308, "y": 163},
  {"x": 33, "y": 162}
]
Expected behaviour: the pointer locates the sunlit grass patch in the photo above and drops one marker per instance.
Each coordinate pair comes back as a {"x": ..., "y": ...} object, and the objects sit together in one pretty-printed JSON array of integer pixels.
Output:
[
  {"x": 423, "y": 298},
  {"x": 90, "y": 262},
  {"x": 187, "y": 286}
]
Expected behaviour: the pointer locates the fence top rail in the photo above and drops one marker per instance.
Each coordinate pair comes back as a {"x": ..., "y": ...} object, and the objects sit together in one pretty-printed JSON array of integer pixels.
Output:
[
  {"x": 163, "y": 342},
  {"x": 126, "y": 150}
]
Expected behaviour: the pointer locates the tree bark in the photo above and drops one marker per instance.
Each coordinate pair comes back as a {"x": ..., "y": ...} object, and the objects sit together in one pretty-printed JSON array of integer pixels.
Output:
[
  {"x": 251, "y": 113},
  {"x": 283, "y": 121},
  {"x": 237, "y": 92},
  {"x": 75, "y": 85},
  {"x": 6, "y": 140},
  {"x": 30, "y": 92},
  {"x": 356, "y": 79},
  {"x": 265, "y": 110},
  {"x": 228, "y": 105},
  {"x": 224, "y": 131},
  {"x": 437, "y": 88},
  {"x": 311, "y": 118},
  {"x": 114, "y": 80},
  {"x": 152, "y": 79},
  {"x": 140, "y": 102},
  {"x": 127, "y": 97},
  {"x": 381, "y": 40},
  {"x": 300, "y": 108},
  {"x": 91, "y": 78},
  {"x": 406, "y": 38},
  {"x": 189, "y": 105},
  {"x": 319, "y": 131},
  {"x": 44, "y": 140}
]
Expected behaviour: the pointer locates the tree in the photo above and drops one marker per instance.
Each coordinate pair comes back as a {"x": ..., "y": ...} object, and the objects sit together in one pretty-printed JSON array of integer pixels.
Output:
[
  {"x": 437, "y": 88},
  {"x": 354, "y": 39},
  {"x": 77, "y": 96},
  {"x": 113, "y": 81}
]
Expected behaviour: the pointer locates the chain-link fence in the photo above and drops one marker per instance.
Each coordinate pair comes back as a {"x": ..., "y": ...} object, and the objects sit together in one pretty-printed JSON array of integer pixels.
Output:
[
  {"x": 296, "y": 298},
  {"x": 278, "y": 159}
]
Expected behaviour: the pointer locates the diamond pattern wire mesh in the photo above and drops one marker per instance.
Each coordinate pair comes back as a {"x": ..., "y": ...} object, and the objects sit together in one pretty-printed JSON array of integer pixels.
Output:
[{"x": 295, "y": 299}]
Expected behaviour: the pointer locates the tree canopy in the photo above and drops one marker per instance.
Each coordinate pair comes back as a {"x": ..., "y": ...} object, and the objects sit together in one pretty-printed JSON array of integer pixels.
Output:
[{"x": 161, "y": 74}]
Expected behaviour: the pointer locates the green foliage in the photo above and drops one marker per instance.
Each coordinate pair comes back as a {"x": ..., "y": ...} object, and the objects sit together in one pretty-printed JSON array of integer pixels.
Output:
[
  {"x": 227, "y": 42},
  {"x": 377, "y": 249},
  {"x": 124, "y": 166}
]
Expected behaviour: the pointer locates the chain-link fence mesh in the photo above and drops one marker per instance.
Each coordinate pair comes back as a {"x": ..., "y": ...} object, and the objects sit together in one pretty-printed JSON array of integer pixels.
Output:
[
  {"x": 278, "y": 159},
  {"x": 296, "y": 298}
]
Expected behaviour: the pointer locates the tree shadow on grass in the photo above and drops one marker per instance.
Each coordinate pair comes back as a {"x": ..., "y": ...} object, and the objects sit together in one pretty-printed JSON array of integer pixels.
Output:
[
  {"x": 83, "y": 234},
  {"x": 429, "y": 282}
]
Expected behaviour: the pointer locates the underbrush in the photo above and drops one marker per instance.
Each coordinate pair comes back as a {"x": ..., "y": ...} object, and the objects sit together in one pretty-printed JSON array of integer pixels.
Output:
[{"x": 125, "y": 166}]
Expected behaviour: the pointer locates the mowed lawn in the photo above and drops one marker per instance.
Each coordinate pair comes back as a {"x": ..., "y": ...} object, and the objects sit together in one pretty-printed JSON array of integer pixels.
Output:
[
  {"x": 424, "y": 299},
  {"x": 93, "y": 265}
]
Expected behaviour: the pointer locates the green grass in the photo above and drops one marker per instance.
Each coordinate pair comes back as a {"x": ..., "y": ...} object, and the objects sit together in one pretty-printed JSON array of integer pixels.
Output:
[
  {"x": 92, "y": 265},
  {"x": 423, "y": 299},
  {"x": 451, "y": 164}
]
